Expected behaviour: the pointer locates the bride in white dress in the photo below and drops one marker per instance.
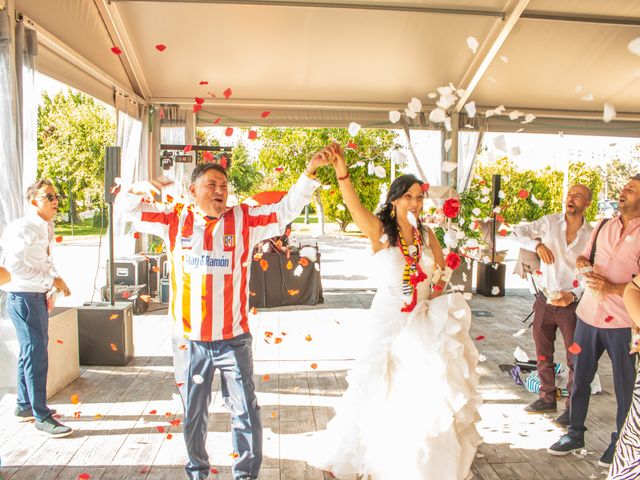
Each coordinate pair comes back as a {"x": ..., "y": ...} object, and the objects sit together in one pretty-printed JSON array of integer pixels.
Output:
[{"x": 411, "y": 407}]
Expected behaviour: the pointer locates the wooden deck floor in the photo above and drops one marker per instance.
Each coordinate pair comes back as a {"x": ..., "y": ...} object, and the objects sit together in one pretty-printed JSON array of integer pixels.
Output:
[{"x": 117, "y": 435}]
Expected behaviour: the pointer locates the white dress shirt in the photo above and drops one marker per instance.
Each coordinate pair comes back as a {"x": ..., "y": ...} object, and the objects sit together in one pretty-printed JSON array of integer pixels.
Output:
[
  {"x": 551, "y": 230},
  {"x": 26, "y": 250}
]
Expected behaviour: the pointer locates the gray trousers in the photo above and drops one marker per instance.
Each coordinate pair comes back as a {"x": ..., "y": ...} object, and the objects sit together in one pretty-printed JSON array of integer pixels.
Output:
[{"x": 234, "y": 359}]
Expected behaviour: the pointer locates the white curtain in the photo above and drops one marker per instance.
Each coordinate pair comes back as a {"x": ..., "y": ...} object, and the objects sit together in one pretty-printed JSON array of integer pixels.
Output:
[{"x": 469, "y": 142}]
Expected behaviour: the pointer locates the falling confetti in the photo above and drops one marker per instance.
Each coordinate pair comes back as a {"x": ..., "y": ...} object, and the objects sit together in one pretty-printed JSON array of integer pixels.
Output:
[
  {"x": 84, "y": 476},
  {"x": 161, "y": 47},
  {"x": 394, "y": 116},
  {"x": 198, "y": 379},
  {"x": 576, "y": 283},
  {"x": 234, "y": 455},
  {"x": 182, "y": 346},
  {"x": 59, "y": 238},
  {"x": 229, "y": 131},
  {"x": 214, "y": 470},
  {"x": 278, "y": 340},
  {"x": 253, "y": 134},
  {"x": 308, "y": 338},
  {"x": 59, "y": 341},
  {"x": 187, "y": 148},
  {"x": 634, "y": 46},
  {"x": 203, "y": 82},
  {"x": 264, "y": 265},
  {"x": 541, "y": 358},
  {"x": 609, "y": 319},
  {"x": 114, "y": 347},
  {"x": 266, "y": 377},
  {"x": 227, "y": 93},
  {"x": 379, "y": 171},
  {"x": 353, "y": 129},
  {"x": 504, "y": 58},
  {"x": 199, "y": 100},
  {"x": 169, "y": 436},
  {"x": 160, "y": 428},
  {"x": 473, "y": 44},
  {"x": 265, "y": 114},
  {"x": 470, "y": 108},
  {"x": 609, "y": 113},
  {"x": 523, "y": 194},
  {"x": 495, "y": 291},
  {"x": 75, "y": 399},
  {"x": 293, "y": 292},
  {"x": 152, "y": 412},
  {"x": 314, "y": 365},
  {"x": 575, "y": 348},
  {"x": 116, "y": 50},
  {"x": 480, "y": 337},
  {"x": 520, "y": 332}
]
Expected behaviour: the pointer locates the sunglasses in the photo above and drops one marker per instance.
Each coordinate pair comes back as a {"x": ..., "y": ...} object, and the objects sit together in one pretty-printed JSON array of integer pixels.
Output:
[{"x": 51, "y": 197}]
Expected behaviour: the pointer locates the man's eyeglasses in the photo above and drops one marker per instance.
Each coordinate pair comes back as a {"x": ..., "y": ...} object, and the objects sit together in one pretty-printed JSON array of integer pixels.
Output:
[{"x": 51, "y": 197}]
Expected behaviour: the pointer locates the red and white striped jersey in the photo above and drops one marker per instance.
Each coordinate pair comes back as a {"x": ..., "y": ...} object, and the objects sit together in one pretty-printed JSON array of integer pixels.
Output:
[{"x": 210, "y": 258}]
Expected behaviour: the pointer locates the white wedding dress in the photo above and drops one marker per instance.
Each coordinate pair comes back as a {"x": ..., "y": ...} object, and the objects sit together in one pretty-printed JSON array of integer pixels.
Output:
[{"x": 412, "y": 403}]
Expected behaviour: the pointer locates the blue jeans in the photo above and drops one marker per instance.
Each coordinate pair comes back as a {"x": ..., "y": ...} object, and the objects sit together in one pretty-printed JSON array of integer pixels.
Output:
[
  {"x": 28, "y": 312},
  {"x": 594, "y": 342},
  {"x": 234, "y": 359}
]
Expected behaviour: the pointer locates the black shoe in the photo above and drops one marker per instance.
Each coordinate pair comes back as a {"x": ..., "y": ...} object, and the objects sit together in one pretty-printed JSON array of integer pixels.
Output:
[
  {"x": 540, "y": 406},
  {"x": 53, "y": 428},
  {"x": 27, "y": 414},
  {"x": 565, "y": 445},
  {"x": 564, "y": 420},
  {"x": 607, "y": 457}
]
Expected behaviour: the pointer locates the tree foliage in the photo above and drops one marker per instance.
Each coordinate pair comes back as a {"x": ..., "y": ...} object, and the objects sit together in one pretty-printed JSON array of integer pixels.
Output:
[
  {"x": 73, "y": 130},
  {"x": 287, "y": 151}
]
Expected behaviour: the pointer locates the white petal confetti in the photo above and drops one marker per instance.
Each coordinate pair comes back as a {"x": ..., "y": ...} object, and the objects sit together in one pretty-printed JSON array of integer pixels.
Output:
[
  {"x": 198, "y": 379},
  {"x": 499, "y": 109},
  {"x": 415, "y": 105},
  {"x": 491, "y": 79},
  {"x": 446, "y": 90},
  {"x": 447, "y": 124},
  {"x": 520, "y": 355},
  {"x": 501, "y": 195},
  {"x": 432, "y": 95},
  {"x": 447, "y": 144},
  {"x": 476, "y": 211},
  {"x": 384, "y": 238},
  {"x": 495, "y": 291},
  {"x": 489, "y": 113},
  {"x": 470, "y": 108},
  {"x": 485, "y": 190},
  {"x": 379, "y": 171},
  {"x": 445, "y": 101},
  {"x": 528, "y": 118},
  {"x": 357, "y": 164},
  {"x": 504, "y": 58},
  {"x": 340, "y": 207},
  {"x": 398, "y": 157},
  {"x": 482, "y": 358},
  {"x": 515, "y": 151},
  {"x": 448, "y": 167},
  {"x": 520, "y": 332},
  {"x": 394, "y": 116},
  {"x": 473, "y": 44},
  {"x": 437, "y": 115},
  {"x": 370, "y": 168},
  {"x": 467, "y": 296},
  {"x": 634, "y": 46},
  {"x": 484, "y": 199},
  {"x": 515, "y": 115},
  {"x": 411, "y": 218},
  {"x": 609, "y": 113},
  {"x": 265, "y": 247},
  {"x": 354, "y": 128},
  {"x": 410, "y": 113},
  {"x": 461, "y": 92},
  {"x": 459, "y": 314},
  {"x": 587, "y": 98},
  {"x": 500, "y": 142},
  {"x": 298, "y": 271}
]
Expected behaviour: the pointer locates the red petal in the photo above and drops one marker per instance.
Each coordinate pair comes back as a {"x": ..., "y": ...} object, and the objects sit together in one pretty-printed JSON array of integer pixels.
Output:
[
  {"x": 160, "y": 429},
  {"x": 279, "y": 169},
  {"x": 197, "y": 108},
  {"x": 265, "y": 114},
  {"x": 153, "y": 412},
  {"x": 217, "y": 120},
  {"x": 116, "y": 50},
  {"x": 161, "y": 47},
  {"x": 265, "y": 377},
  {"x": 59, "y": 238},
  {"x": 480, "y": 337},
  {"x": 169, "y": 436},
  {"x": 503, "y": 233},
  {"x": 187, "y": 148},
  {"x": 425, "y": 187},
  {"x": 575, "y": 348},
  {"x": 500, "y": 218},
  {"x": 541, "y": 358},
  {"x": 207, "y": 156},
  {"x": 229, "y": 131},
  {"x": 352, "y": 145},
  {"x": 144, "y": 470},
  {"x": 214, "y": 470},
  {"x": 203, "y": 82},
  {"x": 227, "y": 93},
  {"x": 523, "y": 194},
  {"x": 253, "y": 134},
  {"x": 199, "y": 100},
  {"x": 175, "y": 422},
  {"x": 576, "y": 283},
  {"x": 223, "y": 162},
  {"x": 437, "y": 288},
  {"x": 84, "y": 476},
  {"x": 609, "y": 318},
  {"x": 59, "y": 341},
  {"x": 136, "y": 235}
]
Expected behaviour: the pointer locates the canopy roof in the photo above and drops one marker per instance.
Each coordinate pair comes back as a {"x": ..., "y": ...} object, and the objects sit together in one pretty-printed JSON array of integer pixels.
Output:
[{"x": 328, "y": 63}]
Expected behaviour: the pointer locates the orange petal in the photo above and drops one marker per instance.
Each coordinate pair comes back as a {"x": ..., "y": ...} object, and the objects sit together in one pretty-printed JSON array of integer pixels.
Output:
[
  {"x": 153, "y": 412},
  {"x": 274, "y": 414},
  {"x": 160, "y": 428},
  {"x": 289, "y": 265},
  {"x": 114, "y": 316},
  {"x": 214, "y": 470},
  {"x": 278, "y": 340},
  {"x": 264, "y": 265},
  {"x": 75, "y": 399},
  {"x": 169, "y": 436},
  {"x": 114, "y": 347},
  {"x": 308, "y": 338},
  {"x": 182, "y": 347},
  {"x": 314, "y": 365},
  {"x": 293, "y": 292},
  {"x": 266, "y": 377},
  {"x": 303, "y": 261},
  {"x": 59, "y": 341},
  {"x": 575, "y": 348},
  {"x": 234, "y": 455}
]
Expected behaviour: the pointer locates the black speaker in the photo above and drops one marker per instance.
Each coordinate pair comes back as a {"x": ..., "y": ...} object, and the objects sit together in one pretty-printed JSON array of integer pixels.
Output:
[
  {"x": 111, "y": 172},
  {"x": 105, "y": 334},
  {"x": 495, "y": 180}
]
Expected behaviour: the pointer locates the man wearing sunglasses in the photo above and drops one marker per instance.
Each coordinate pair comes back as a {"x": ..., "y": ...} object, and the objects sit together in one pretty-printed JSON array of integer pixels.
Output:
[{"x": 26, "y": 246}]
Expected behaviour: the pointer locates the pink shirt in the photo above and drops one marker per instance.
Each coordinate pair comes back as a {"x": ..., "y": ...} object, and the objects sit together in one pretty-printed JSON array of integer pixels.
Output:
[{"x": 617, "y": 256}]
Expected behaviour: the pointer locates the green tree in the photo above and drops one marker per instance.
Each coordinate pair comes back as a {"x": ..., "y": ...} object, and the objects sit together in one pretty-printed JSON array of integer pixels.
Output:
[
  {"x": 615, "y": 176},
  {"x": 286, "y": 152},
  {"x": 243, "y": 174},
  {"x": 73, "y": 130}
]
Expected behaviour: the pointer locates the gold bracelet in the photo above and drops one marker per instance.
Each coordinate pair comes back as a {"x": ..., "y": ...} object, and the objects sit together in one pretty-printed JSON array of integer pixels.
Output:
[{"x": 312, "y": 176}]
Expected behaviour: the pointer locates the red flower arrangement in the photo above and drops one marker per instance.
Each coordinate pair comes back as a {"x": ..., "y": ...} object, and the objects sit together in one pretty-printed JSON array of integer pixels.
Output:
[
  {"x": 451, "y": 208},
  {"x": 453, "y": 260}
]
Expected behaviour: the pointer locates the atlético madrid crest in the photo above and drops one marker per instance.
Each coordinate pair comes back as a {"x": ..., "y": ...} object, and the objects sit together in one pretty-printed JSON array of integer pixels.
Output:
[{"x": 229, "y": 240}]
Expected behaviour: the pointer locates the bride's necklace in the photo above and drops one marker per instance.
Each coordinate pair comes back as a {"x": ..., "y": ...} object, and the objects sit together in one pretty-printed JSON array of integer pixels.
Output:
[{"x": 412, "y": 274}]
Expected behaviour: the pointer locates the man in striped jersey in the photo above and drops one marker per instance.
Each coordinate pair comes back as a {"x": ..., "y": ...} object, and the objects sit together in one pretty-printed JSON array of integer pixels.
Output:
[{"x": 209, "y": 248}]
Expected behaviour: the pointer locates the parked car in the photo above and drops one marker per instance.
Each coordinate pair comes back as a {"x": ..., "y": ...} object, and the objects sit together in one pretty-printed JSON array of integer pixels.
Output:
[{"x": 607, "y": 208}]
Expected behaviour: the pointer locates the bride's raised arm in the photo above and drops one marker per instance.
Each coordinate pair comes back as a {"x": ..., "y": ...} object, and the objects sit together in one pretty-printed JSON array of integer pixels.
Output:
[{"x": 366, "y": 221}]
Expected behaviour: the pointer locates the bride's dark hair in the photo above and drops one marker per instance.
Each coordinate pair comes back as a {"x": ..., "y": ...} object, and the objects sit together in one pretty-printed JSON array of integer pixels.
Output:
[{"x": 390, "y": 223}]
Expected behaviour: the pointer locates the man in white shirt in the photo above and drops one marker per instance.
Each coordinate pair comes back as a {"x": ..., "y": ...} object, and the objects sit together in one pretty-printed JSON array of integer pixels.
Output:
[
  {"x": 26, "y": 245},
  {"x": 558, "y": 240}
]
